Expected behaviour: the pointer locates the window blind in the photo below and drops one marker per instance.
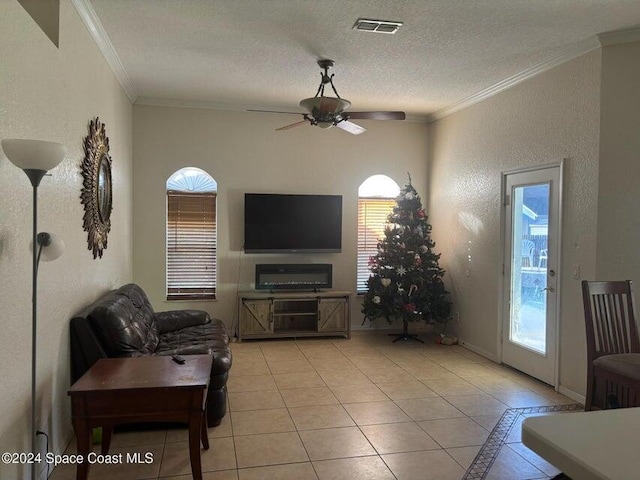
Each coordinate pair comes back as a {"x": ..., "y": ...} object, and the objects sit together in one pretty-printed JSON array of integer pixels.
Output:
[
  {"x": 191, "y": 245},
  {"x": 372, "y": 218}
]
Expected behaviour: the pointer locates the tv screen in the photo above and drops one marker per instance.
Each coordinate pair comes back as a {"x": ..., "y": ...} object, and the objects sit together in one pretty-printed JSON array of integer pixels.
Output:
[{"x": 292, "y": 223}]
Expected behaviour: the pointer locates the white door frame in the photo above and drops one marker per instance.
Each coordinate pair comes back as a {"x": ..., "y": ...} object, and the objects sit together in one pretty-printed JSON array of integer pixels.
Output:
[{"x": 502, "y": 280}]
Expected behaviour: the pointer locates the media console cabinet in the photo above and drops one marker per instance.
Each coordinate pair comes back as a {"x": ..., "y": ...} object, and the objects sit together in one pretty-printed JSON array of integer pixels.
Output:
[{"x": 293, "y": 314}]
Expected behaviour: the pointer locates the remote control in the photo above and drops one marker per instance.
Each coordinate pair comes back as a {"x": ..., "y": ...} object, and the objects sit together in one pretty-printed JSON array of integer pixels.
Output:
[{"x": 178, "y": 359}]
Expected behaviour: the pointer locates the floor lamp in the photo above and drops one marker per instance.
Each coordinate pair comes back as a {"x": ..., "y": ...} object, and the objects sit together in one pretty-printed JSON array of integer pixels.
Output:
[{"x": 36, "y": 158}]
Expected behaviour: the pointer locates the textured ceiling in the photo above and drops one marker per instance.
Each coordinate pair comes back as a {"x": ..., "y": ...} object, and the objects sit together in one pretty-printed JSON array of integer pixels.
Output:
[{"x": 262, "y": 53}]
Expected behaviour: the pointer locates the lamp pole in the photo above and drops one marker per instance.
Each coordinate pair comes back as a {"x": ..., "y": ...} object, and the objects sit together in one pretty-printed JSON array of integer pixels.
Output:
[{"x": 34, "y": 176}]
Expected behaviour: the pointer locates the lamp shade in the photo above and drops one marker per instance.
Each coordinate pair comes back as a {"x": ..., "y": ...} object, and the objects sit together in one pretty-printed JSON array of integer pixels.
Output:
[
  {"x": 52, "y": 246},
  {"x": 33, "y": 154}
]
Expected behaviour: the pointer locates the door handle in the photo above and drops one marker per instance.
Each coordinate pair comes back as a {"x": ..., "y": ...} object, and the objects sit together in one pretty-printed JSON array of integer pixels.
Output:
[{"x": 549, "y": 289}]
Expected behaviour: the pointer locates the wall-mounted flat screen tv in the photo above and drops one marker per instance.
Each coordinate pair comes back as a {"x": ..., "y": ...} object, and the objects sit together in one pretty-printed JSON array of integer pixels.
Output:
[{"x": 292, "y": 223}]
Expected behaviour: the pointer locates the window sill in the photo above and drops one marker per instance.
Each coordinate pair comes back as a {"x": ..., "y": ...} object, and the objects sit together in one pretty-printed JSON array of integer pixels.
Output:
[{"x": 193, "y": 299}]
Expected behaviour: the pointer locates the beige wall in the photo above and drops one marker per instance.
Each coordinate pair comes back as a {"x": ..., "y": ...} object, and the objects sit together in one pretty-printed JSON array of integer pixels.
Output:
[
  {"x": 543, "y": 120},
  {"x": 51, "y": 94},
  {"x": 244, "y": 154},
  {"x": 619, "y": 195}
]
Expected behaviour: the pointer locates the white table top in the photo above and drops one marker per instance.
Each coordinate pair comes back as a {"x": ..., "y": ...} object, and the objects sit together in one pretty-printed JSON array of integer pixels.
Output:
[{"x": 602, "y": 445}]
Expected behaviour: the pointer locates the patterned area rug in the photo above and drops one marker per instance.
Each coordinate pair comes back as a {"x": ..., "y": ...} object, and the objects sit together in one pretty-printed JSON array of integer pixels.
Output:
[{"x": 480, "y": 468}]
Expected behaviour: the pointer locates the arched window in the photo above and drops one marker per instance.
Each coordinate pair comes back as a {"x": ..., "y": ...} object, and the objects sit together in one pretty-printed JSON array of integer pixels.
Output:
[
  {"x": 191, "y": 235},
  {"x": 376, "y": 199}
]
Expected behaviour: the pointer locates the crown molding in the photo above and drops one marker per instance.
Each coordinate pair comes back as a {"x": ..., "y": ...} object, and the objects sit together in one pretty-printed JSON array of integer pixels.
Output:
[
  {"x": 417, "y": 118},
  {"x": 92, "y": 22},
  {"x": 627, "y": 35},
  {"x": 230, "y": 107},
  {"x": 569, "y": 53}
]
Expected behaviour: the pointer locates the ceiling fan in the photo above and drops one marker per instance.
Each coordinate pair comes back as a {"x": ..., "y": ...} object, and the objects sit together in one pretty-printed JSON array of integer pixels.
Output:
[{"x": 326, "y": 112}]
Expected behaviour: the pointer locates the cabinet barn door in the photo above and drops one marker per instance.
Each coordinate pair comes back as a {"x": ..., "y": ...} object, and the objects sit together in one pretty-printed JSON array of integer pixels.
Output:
[
  {"x": 332, "y": 315},
  {"x": 255, "y": 317}
]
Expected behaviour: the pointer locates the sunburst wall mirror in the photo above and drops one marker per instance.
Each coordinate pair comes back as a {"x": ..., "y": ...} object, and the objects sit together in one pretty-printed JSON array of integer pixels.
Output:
[{"x": 97, "y": 189}]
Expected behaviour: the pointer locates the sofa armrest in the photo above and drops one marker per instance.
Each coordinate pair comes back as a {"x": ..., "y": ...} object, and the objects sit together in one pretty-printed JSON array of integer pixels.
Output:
[
  {"x": 85, "y": 348},
  {"x": 179, "y": 319}
]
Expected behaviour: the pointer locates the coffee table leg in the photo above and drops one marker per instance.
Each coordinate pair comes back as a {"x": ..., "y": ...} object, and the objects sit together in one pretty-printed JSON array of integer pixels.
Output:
[
  {"x": 107, "y": 432},
  {"x": 83, "y": 440},
  {"x": 195, "y": 433},
  {"x": 205, "y": 436}
]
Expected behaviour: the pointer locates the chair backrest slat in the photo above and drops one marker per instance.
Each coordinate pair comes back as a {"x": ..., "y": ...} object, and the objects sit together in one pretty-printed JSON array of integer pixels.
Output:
[
  {"x": 615, "y": 322},
  {"x": 604, "y": 320},
  {"x": 623, "y": 330},
  {"x": 610, "y": 318},
  {"x": 600, "y": 313}
]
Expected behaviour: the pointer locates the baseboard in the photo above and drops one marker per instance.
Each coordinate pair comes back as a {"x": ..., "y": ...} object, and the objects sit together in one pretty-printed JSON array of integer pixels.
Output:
[
  {"x": 479, "y": 351},
  {"x": 571, "y": 394}
]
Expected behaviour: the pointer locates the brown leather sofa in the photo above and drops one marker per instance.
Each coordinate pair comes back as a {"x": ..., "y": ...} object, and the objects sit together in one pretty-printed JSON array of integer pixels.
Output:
[{"x": 122, "y": 324}]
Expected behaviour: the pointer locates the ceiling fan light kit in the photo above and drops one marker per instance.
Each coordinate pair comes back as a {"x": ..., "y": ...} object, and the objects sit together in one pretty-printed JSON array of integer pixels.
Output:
[
  {"x": 327, "y": 112},
  {"x": 327, "y": 105}
]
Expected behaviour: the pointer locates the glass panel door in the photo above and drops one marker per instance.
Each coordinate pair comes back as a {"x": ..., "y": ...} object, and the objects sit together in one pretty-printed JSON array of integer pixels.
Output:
[
  {"x": 529, "y": 235},
  {"x": 531, "y": 248}
]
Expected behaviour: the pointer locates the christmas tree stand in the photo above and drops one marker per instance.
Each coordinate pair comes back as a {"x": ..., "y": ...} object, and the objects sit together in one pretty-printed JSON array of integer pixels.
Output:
[{"x": 405, "y": 335}]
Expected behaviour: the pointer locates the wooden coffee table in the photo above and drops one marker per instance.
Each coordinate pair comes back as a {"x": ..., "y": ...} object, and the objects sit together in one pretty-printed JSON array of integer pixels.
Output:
[{"x": 141, "y": 389}]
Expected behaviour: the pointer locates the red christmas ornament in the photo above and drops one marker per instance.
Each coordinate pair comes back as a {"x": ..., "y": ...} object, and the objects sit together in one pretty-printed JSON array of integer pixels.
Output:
[
  {"x": 421, "y": 213},
  {"x": 410, "y": 307}
]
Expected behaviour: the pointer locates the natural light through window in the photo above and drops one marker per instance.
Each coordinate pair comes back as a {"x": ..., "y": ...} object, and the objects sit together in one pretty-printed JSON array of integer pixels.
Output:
[
  {"x": 379, "y": 186},
  {"x": 191, "y": 235},
  {"x": 376, "y": 199},
  {"x": 191, "y": 179}
]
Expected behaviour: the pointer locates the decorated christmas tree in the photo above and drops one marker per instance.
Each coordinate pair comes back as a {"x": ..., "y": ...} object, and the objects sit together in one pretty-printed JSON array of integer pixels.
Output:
[{"x": 406, "y": 279}]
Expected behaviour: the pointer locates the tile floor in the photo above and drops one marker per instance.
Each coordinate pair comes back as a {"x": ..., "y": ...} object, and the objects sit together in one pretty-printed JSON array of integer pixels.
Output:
[{"x": 334, "y": 409}]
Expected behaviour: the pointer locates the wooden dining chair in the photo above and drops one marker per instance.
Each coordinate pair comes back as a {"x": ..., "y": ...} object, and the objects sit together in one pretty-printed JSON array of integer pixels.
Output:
[{"x": 613, "y": 346}]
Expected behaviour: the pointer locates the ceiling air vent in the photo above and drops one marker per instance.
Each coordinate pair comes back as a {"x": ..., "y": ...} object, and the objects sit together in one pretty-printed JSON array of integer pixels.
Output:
[{"x": 377, "y": 26}]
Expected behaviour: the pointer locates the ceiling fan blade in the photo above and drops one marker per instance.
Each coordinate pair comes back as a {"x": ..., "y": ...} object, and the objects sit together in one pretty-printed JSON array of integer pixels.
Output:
[
  {"x": 287, "y": 127},
  {"x": 377, "y": 115},
  {"x": 351, "y": 127},
  {"x": 274, "y": 111}
]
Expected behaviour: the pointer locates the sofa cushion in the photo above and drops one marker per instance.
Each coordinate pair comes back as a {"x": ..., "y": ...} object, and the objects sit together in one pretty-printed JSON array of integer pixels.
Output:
[
  {"x": 178, "y": 319},
  {"x": 193, "y": 340},
  {"x": 125, "y": 323}
]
